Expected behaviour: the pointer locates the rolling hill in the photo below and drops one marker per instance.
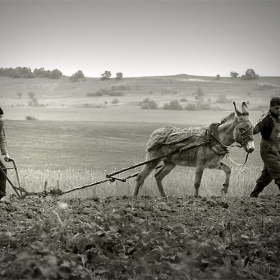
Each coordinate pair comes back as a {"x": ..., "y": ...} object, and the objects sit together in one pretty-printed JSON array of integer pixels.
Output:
[{"x": 129, "y": 93}]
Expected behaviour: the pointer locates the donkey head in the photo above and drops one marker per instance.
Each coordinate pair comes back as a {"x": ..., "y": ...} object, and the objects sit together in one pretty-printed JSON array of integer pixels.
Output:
[{"x": 243, "y": 131}]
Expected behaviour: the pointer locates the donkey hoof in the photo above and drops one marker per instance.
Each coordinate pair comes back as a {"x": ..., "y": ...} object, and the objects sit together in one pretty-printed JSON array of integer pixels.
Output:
[{"x": 223, "y": 192}]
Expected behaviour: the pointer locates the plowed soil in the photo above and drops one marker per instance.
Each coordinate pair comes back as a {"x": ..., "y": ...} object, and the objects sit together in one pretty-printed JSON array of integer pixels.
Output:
[{"x": 142, "y": 238}]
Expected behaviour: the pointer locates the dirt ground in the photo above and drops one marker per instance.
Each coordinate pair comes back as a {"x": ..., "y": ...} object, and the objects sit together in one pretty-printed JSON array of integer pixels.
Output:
[{"x": 142, "y": 238}]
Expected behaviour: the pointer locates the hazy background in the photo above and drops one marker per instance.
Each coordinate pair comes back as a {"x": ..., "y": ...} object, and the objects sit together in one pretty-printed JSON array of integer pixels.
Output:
[{"x": 142, "y": 38}]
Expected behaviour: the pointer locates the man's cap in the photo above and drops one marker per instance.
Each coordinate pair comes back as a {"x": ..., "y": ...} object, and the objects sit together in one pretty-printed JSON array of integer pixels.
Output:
[
  {"x": 1, "y": 111},
  {"x": 275, "y": 101}
]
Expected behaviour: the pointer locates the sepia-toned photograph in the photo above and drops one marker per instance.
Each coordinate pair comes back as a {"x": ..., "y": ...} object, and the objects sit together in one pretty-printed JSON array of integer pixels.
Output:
[{"x": 139, "y": 139}]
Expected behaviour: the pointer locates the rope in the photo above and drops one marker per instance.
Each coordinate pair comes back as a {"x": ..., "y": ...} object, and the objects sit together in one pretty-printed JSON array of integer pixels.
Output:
[
  {"x": 227, "y": 151},
  {"x": 239, "y": 164},
  {"x": 151, "y": 160}
]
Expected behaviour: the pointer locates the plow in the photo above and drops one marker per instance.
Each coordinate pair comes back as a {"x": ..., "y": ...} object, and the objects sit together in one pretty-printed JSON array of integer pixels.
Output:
[{"x": 22, "y": 193}]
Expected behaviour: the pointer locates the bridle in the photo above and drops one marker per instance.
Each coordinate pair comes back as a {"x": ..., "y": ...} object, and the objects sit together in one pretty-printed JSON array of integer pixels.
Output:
[{"x": 243, "y": 135}]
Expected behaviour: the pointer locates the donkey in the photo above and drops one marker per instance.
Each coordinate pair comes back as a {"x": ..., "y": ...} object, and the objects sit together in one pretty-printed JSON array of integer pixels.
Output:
[{"x": 201, "y": 147}]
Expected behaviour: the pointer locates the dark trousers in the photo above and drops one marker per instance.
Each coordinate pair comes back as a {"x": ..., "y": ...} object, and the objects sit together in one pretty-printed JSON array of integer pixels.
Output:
[
  {"x": 2, "y": 179},
  {"x": 270, "y": 171},
  {"x": 265, "y": 178}
]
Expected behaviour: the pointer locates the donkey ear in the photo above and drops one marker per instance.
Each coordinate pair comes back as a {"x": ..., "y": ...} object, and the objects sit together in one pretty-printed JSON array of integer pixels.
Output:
[
  {"x": 245, "y": 110},
  {"x": 238, "y": 113}
]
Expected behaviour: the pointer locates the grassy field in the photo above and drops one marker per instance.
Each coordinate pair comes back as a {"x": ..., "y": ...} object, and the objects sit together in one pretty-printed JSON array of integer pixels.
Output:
[
  {"x": 80, "y": 153},
  {"x": 65, "y": 94},
  {"x": 78, "y": 139}
]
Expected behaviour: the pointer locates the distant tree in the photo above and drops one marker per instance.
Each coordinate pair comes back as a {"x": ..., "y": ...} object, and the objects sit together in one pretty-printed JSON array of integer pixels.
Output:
[
  {"x": 119, "y": 76},
  {"x": 19, "y": 94},
  {"x": 39, "y": 72},
  {"x": 115, "y": 101},
  {"x": 218, "y": 77},
  {"x": 31, "y": 94},
  {"x": 55, "y": 74},
  {"x": 199, "y": 94},
  {"x": 250, "y": 75},
  {"x": 15, "y": 73},
  {"x": 80, "y": 74},
  {"x": 25, "y": 72},
  {"x": 234, "y": 74},
  {"x": 106, "y": 75},
  {"x": 74, "y": 78}
]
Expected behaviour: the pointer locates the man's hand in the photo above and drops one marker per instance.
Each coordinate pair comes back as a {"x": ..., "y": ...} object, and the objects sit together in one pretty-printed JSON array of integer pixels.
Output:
[{"x": 7, "y": 158}]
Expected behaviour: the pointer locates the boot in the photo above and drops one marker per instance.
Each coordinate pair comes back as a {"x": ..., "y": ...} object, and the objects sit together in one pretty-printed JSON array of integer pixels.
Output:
[
  {"x": 2, "y": 186},
  {"x": 256, "y": 191}
]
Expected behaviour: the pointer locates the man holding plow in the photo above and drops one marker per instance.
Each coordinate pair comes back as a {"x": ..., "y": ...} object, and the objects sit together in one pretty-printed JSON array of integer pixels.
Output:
[{"x": 4, "y": 152}]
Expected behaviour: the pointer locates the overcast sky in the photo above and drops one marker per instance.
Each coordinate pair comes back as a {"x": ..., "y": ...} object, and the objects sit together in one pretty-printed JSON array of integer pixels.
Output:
[{"x": 142, "y": 38}]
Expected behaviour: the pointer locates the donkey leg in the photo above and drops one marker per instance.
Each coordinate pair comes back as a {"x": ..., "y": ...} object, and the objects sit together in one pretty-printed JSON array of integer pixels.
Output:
[
  {"x": 227, "y": 171},
  {"x": 146, "y": 170},
  {"x": 197, "y": 180},
  {"x": 160, "y": 174}
]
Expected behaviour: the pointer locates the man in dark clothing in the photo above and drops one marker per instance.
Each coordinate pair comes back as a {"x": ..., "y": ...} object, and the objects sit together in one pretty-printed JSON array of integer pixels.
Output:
[
  {"x": 269, "y": 127},
  {"x": 4, "y": 151}
]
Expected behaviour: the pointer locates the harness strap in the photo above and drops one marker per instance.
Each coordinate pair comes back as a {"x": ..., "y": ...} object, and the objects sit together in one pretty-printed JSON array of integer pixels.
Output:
[
  {"x": 210, "y": 133},
  {"x": 220, "y": 148}
]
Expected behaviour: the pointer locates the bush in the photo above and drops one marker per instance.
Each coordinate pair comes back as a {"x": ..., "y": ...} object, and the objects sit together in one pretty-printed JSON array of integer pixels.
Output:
[
  {"x": 203, "y": 106},
  {"x": 116, "y": 93},
  {"x": 199, "y": 94},
  {"x": 115, "y": 101},
  {"x": 119, "y": 87},
  {"x": 173, "y": 105},
  {"x": 222, "y": 99},
  {"x": 149, "y": 104},
  {"x": 100, "y": 92},
  {"x": 168, "y": 90},
  {"x": 31, "y": 94},
  {"x": 30, "y": 118},
  {"x": 190, "y": 107},
  {"x": 97, "y": 93},
  {"x": 266, "y": 87}
]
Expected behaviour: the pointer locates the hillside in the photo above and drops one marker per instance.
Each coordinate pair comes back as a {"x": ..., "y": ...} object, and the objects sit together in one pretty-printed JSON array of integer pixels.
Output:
[{"x": 130, "y": 92}]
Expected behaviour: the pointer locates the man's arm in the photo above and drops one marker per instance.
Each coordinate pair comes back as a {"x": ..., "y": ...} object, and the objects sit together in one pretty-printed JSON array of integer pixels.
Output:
[{"x": 260, "y": 124}]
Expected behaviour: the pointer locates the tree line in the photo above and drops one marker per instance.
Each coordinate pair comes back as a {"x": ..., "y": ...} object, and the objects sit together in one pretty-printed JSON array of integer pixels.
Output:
[{"x": 26, "y": 72}]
